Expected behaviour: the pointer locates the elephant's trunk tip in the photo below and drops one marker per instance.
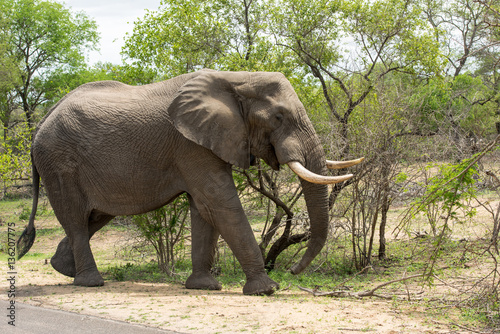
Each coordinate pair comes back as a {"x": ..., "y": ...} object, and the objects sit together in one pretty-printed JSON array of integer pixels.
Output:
[{"x": 313, "y": 248}]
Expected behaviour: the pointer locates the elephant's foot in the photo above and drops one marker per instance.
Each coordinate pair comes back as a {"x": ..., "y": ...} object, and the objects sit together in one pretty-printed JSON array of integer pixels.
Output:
[
  {"x": 89, "y": 278},
  {"x": 63, "y": 260},
  {"x": 202, "y": 281},
  {"x": 260, "y": 285}
]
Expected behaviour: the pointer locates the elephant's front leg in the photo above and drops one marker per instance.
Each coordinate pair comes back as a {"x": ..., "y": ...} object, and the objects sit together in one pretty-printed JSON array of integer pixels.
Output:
[
  {"x": 204, "y": 242},
  {"x": 222, "y": 208}
]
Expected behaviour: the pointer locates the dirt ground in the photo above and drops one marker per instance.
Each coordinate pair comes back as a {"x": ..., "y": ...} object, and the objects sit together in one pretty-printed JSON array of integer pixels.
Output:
[
  {"x": 172, "y": 307},
  {"x": 175, "y": 308}
]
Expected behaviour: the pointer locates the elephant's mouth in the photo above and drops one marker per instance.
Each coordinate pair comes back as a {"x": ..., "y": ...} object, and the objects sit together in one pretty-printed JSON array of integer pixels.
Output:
[{"x": 270, "y": 158}]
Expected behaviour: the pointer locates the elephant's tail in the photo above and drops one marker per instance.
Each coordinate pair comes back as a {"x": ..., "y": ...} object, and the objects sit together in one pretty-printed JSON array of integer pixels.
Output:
[{"x": 26, "y": 239}]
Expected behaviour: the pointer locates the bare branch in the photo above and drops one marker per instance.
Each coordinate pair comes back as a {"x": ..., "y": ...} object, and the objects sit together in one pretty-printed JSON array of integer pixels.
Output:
[{"x": 360, "y": 294}]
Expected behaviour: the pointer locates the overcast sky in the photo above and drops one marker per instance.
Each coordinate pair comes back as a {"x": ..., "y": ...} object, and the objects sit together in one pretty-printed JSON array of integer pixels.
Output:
[{"x": 114, "y": 18}]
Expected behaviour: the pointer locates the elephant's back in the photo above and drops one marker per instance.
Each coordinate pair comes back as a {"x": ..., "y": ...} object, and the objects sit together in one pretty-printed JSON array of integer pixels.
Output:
[
  {"x": 108, "y": 120},
  {"x": 113, "y": 103},
  {"x": 97, "y": 109}
]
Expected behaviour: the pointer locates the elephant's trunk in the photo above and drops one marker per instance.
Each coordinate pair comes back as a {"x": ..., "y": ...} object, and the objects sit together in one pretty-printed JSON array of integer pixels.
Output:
[
  {"x": 316, "y": 197},
  {"x": 315, "y": 189}
]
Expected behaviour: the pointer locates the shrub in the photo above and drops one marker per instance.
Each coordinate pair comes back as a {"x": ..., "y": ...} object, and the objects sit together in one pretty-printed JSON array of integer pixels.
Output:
[{"x": 165, "y": 229}]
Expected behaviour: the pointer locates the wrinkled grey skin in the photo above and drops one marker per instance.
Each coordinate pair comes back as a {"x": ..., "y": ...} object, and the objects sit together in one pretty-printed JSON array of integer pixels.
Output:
[{"x": 109, "y": 149}]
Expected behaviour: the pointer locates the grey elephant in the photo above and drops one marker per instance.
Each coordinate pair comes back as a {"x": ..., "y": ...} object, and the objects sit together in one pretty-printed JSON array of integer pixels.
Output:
[{"x": 109, "y": 149}]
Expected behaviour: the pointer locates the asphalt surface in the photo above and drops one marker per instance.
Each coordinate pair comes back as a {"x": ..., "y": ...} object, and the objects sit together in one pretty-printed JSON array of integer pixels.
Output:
[{"x": 37, "y": 320}]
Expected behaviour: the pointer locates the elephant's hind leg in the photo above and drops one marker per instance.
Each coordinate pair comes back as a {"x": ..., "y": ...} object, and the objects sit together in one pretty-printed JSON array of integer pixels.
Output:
[
  {"x": 204, "y": 241},
  {"x": 73, "y": 212},
  {"x": 63, "y": 260}
]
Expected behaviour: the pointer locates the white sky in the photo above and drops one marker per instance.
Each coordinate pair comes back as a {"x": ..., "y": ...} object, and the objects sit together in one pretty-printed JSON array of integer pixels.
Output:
[{"x": 114, "y": 18}]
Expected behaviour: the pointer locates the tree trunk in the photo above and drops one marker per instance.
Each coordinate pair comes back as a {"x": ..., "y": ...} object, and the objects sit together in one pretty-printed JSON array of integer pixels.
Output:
[
  {"x": 383, "y": 223},
  {"x": 385, "y": 205}
]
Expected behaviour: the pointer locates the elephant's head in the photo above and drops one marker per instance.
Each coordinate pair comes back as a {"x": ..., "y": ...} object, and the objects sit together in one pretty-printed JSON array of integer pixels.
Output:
[{"x": 240, "y": 114}]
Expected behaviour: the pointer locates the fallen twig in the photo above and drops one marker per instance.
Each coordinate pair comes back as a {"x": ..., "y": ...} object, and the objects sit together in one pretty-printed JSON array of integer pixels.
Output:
[{"x": 360, "y": 294}]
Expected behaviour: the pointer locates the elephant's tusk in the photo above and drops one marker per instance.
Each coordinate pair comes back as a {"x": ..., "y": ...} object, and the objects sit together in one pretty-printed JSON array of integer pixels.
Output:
[
  {"x": 342, "y": 164},
  {"x": 307, "y": 175}
]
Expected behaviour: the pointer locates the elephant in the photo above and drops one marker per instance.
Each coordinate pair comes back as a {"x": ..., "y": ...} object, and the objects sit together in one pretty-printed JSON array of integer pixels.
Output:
[{"x": 109, "y": 149}]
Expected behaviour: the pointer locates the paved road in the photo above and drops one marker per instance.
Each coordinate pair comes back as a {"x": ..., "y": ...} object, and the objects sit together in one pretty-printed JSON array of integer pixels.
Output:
[{"x": 37, "y": 320}]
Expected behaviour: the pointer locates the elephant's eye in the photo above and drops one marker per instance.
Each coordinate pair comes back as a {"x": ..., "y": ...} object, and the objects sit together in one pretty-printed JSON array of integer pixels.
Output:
[{"x": 279, "y": 116}]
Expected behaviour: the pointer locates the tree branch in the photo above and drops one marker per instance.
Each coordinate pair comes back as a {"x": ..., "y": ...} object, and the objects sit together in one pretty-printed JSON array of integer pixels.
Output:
[{"x": 360, "y": 294}]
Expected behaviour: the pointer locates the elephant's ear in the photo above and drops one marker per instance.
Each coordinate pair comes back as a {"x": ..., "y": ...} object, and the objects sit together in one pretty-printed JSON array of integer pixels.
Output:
[{"x": 207, "y": 110}]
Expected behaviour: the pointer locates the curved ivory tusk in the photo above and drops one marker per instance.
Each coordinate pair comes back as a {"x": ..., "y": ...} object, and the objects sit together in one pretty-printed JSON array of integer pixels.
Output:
[
  {"x": 307, "y": 175},
  {"x": 342, "y": 164}
]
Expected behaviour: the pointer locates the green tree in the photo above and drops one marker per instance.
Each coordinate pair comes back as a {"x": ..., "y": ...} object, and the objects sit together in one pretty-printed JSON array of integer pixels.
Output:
[
  {"x": 454, "y": 105},
  {"x": 15, "y": 160},
  {"x": 466, "y": 34},
  {"x": 185, "y": 36},
  {"x": 348, "y": 46},
  {"x": 462, "y": 28},
  {"x": 350, "y": 50},
  {"x": 9, "y": 77},
  {"x": 61, "y": 81},
  {"x": 490, "y": 54},
  {"x": 43, "y": 37}
]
